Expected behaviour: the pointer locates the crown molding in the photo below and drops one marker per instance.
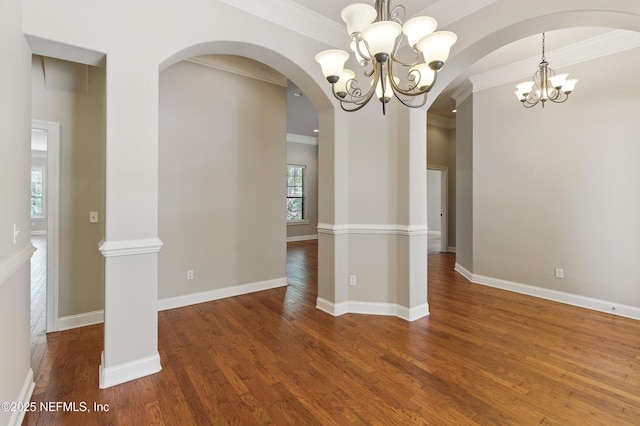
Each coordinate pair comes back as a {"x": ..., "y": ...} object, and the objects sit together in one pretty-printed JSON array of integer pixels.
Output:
[
  {"x": 307, "y": 140},
  {"x": 446, "y": 15},
  {"x": 593, "y": 48},
  {"x": 241, "y": 66},
  {"x": 292, "y": 16},
  {"x": 462, "y": 92}
]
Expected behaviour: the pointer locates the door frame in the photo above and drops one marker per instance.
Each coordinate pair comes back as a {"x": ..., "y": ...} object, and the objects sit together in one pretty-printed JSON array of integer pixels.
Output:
[
  {"x": 444, "y": 205},
  {"x": 53, "y": 216}
]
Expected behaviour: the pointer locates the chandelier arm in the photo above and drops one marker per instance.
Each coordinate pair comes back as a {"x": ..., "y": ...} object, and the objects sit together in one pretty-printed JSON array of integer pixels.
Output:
[
  {"x": 358, "y": 100},
  {"x": 410, "y": 92},
  {"x": 394, "y": 15},
  {"x": 357, "y": 37},
  {"x": 416, "y": 61},
  {"x": 405, "y": 103}
]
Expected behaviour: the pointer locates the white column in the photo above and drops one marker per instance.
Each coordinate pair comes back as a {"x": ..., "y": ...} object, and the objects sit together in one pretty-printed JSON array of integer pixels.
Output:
[
  {"x": 412, "y": 213},
  {"x": 131, "y": 228},
  {"x": 333, "y": 199}
]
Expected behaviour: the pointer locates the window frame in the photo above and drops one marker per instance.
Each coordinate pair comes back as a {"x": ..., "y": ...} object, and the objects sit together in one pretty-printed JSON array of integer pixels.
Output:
[
  {"x": 42, "y": 195},
  {"x": 303, "y": 220}
]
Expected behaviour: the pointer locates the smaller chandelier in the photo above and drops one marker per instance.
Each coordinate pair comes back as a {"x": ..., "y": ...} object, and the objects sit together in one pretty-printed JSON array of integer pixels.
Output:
[
  {"x": 376, "y": 35},
  {"x": 549, "y": 86}
]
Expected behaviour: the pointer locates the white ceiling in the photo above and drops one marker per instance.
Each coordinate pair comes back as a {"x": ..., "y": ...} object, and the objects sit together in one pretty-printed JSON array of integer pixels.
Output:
[{"x": 521, "y": 58}]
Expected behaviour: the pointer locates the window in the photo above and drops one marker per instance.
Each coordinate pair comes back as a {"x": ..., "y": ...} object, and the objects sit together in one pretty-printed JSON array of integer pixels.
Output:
[
  {"x": 37, "y": 193},
  {"x": 295, "y": 193}
]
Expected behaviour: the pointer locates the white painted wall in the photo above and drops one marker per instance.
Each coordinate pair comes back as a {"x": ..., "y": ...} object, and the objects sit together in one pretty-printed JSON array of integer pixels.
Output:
[
  {"x": 15, "y": 158},
  {"x": 559, "y": 187},
  {"x": 222, "y": 177}
]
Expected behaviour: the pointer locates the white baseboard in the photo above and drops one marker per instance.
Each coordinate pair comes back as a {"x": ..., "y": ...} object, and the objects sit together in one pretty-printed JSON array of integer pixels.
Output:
[
  {"x": 463, "y": 271},
  {"x": 302, "y": 238},
  {"x": 23, "y": 400},
  {"x": 222, "y": 293},
  {"x": 128, "y": 371},
  {"x": 554, "y": 295},
  {"x": 451, "y": 249},
  {"x": 372, "y": 308},
  {"x": 80, "y": 320}
]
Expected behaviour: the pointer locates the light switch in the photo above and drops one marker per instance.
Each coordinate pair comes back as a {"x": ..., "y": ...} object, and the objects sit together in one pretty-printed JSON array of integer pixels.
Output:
[{"x": 93, "y": 217}]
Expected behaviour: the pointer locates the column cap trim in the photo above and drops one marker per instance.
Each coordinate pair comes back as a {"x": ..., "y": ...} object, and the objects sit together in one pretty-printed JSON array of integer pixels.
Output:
[
  {"x": 383, "y": 229},
  {"x": 12, "y": 263},
  {"x": 130, "y": 247}
]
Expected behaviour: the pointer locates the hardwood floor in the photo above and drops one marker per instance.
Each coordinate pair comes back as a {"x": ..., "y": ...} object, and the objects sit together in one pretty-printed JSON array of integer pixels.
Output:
[
  {"x": 483, "y": 356},
  {"x": 38, "y": 300}
]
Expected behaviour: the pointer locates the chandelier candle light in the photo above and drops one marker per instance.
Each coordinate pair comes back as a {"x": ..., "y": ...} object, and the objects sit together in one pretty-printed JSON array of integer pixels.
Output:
[
  {"x": 549, "y": 86},
  {"x": 376, "y": 35}
]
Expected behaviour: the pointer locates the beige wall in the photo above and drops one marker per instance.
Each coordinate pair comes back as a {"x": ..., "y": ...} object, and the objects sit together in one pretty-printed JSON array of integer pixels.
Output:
[
  {"x": 464, "y": 183},
  {"x": 306, "y": 155},
  {"x": 73, "y": 95},
  {"x": 222, "y": 180},
  {"x": 559, "y": 187}
]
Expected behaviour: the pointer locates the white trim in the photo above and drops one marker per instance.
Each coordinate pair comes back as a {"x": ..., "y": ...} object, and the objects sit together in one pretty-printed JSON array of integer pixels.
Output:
[
  {"x": 298, "y": 222},
  {"x": 306, "y": 140},
  {"x": 294, "y": 17},
  {"x": 447, "y": 15},
  {"x": 128, "y": 371},
  {"x": 23, "y": 400},
  {"x": 302, "y": 238},
  {"x": 221, "y": 293},
  {"x": 130, "y": 247},
  {"x": 619, "y": 309},
  {"x": 372, "y": 229},
  {"x": 10, "y": 265},
  {"x": 241, "y": 66},
  {"x": 462, "y": 92},
  {"x": 372, "y": 308},
  {"x": 41, "y": 232},
  {"x": 451, "y": 249},
  {"x": 463, "y": 271},
  {"x": 80, "y": 320}
]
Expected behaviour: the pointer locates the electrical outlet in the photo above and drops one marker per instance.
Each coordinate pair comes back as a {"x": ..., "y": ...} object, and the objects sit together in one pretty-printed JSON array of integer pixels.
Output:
[
  {"x": 190, "y": 274},
  {"x": 93, "y": 217},
  {"x": 352, "y": 280},
  {"x": 559, "y": 273}
]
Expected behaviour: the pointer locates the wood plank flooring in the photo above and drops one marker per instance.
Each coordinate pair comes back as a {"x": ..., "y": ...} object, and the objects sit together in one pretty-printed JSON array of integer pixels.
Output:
[
  {"x": 483, "y": 356},
  {"x": 38, "y": 300}
]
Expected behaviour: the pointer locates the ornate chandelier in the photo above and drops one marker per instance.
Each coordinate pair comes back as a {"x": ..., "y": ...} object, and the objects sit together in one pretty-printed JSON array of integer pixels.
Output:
[
  {"x": 549, "y": 86},
  {"x": 376, "y": 34}
]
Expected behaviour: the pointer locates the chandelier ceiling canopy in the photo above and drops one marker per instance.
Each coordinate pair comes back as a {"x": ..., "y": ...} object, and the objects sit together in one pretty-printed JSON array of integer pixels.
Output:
[
  {"x": 546, "y": 85},
  {"x": 376, "y": 36}
]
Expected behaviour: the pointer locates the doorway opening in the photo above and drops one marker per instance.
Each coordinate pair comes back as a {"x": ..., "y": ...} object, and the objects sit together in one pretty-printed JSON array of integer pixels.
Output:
[
  {"x": 437, "y": 177},
  {"x": 45, "y": 137}
]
